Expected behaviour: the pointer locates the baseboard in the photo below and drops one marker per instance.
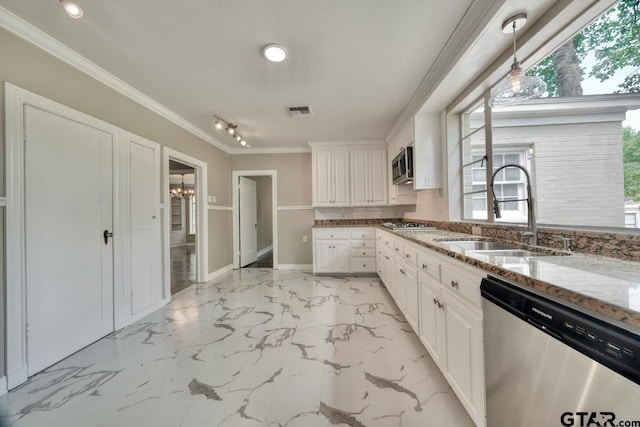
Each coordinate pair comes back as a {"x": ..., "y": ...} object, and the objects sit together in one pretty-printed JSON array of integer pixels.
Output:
[
  {"x": 265, "y": 250},
  {"x": 294, "y": 267},
  {"x": 219, "y": 272}
]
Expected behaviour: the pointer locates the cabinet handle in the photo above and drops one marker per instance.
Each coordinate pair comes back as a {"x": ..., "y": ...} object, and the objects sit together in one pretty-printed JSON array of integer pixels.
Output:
[
  {"x": 364, "y": 265},
  {"x": 454, "y": 284},
  {"x": 397, "y": 250},
  {"x": 364, "y": 244},
  {"x": 332, "y": 235},
  {"x": 364, "y": 253},
  {"x": 424, "y": 267},
  {"x": 407, "y": 256},
  {"x": 386, "y": 257},
  {"x": 440, "y": 306},
  {"x": 402, "y": 271},
  {"x": 435, "y": 301}
]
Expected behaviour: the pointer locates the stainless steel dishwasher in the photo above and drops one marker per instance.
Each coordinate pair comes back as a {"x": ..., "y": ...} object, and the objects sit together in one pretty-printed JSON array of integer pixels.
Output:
[{"x": 547, "y": 364}]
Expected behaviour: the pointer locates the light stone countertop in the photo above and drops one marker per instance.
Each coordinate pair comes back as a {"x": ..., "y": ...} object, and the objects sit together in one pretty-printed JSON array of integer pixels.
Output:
[{"x": 605, "y": 285}]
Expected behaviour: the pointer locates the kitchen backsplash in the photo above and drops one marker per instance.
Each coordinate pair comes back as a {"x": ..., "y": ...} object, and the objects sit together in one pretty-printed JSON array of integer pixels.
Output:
[
  {"x": 362, "y": 213},
  {"x": 618, "y": 245}
]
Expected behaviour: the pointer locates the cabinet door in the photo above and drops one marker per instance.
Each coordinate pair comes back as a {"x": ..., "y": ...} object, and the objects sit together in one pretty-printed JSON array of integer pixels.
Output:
[
  {"x": 389, "y": 270},
  {"x": 322, "y": 174},
  {"x": 431, "y": 319},
  {"x": 464, "y": 354},
  {"x": 400, "y": 270},
  {"x": 341, "y": 256},
  {"x": 323, "y": 250},
  {"x": 359, "y": 178},
  {"x": 411, "y": 298},
  {"x": 377, "y": 180},
  {"x": 340, "y": 178}
]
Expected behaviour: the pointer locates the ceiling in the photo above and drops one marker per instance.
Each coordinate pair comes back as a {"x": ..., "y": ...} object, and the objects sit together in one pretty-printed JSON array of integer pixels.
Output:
[{"x": 357, "y": 63}]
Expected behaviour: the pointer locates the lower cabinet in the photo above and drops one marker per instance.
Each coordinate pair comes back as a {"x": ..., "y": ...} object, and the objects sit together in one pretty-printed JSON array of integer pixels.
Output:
[
  {"x": 344, "y": 250},
  {"x": 440, "y": 298}
]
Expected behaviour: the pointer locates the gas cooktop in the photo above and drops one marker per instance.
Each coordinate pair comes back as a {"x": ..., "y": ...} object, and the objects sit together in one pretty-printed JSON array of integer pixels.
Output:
[{"x": 409, "y": 226}]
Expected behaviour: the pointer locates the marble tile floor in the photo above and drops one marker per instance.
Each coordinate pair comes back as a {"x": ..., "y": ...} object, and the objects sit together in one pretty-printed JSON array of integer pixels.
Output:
[{"x": 256, "y": 347}]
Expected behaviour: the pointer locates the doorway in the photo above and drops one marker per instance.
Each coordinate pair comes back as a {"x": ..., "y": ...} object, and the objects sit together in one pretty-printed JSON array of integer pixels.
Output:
[
  {"x": 185, "y": 221},
  {"x": 183, "y": 209},
  {"x": 255, "y": 229}
]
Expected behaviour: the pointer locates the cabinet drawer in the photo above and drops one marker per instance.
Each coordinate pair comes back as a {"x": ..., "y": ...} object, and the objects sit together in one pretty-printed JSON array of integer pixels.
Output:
[
  {"x": 462, "y": 283},
  {"x": 364, "y": 234},
  {"x": 363, "y": 265},
  {"x": 366, "y": 252},
  {"x": 332, "y": 233},
  {"x": 429, "y": 265},
  {"x": 363, "y": 243},
  {"x": 410, "y": 255}
]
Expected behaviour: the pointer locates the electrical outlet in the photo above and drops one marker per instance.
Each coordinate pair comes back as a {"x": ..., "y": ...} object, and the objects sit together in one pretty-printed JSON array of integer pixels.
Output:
[
  {"x": 304, "y": 239},
  {"x": 476, "y": 230},
  {"x": 210, "y": 199},
  {"x": 214, "y": 198}
]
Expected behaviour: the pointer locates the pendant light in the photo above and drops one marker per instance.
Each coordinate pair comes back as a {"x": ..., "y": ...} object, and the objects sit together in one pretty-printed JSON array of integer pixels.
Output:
[{"x": 516, "y": 87}]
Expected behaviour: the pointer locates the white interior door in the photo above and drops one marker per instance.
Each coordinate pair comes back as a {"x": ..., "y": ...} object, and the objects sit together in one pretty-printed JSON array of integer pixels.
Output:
[
  {"x": 146, "y": 287},
  {"x": 248, "y": 221},
  {"x": 68, "y": 204}
]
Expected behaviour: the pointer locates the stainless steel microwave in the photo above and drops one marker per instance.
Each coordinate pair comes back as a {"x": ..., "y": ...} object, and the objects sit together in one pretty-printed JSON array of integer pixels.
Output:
[{"x": 402, "y": 166}]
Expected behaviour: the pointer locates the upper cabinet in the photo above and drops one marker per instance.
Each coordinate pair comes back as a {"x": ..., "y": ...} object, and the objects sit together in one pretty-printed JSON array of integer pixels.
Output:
[
  {"x": 330, "y": 178},
  {"x": 427, "y": 160},
  {"x": 355, "y": 176},
  {"x": 403, "y": 194},
  {"x": 369, "y": 177}
]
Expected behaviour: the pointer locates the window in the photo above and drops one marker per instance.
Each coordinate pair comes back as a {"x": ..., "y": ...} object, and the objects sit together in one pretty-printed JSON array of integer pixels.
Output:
[
  {"x": 192, "y": 214},
  {"x": 631, "y": 220},
  {"x": 509, "y": 184},
  {"x": 580, "y": 145}
]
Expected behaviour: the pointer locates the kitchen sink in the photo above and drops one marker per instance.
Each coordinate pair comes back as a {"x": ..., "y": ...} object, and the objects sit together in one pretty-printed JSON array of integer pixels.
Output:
[
  {"x": 477, "y": 245},
  {"x": 506, "y": 253}
]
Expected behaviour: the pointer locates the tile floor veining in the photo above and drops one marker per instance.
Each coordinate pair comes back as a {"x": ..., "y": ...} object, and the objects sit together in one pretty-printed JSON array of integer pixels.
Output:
[{"x": 256, "y": 347}]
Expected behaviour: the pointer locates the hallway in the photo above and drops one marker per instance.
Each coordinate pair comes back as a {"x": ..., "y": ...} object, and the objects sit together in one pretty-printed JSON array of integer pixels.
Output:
[
  {"x": 255, "y": 347},
  {"x": 183, "y": 268}
]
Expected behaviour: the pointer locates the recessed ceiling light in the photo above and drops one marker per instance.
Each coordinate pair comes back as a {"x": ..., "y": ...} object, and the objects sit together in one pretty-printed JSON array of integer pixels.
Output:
[
  {"x": 72, "y": 9},
  {"x": 274, "y": 52}
]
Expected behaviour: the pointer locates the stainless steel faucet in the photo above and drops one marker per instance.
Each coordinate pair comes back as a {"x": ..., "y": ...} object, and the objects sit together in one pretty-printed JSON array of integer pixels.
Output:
[{"x": 532, "y": 233}]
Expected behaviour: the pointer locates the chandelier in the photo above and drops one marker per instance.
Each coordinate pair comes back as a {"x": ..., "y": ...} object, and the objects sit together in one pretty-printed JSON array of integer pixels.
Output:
[{"x": 181, "y": 192}]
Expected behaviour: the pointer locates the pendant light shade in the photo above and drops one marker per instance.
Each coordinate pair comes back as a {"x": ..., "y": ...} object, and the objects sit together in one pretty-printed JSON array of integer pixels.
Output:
[{"x": 517, "y": 87}]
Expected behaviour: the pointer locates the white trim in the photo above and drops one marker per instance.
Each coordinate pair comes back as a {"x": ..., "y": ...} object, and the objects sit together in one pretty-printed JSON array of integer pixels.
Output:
[
  {"x": 3, "y": 386},
  {"x": 294, "y": 267},
  {"x": 220, "y": 208},
  {"x": 202, "y": 227},
  {"x": 275, "y": 150},
  {"x": 33, "y": 35},
  {"x": 219, "y": 272},
  {"x": 346, "y": 145},
  {"x": 295, "y": 208},
  {"x": 15, "y": 100},
  {"x": 3, "y": 201},
  {"x": 236, "y": 222},
  {"x": 265, "y": 250}
]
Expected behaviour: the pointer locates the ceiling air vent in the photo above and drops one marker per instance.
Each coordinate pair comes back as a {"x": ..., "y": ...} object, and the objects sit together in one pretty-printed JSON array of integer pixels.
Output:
[{"x": 299, "y": 110}]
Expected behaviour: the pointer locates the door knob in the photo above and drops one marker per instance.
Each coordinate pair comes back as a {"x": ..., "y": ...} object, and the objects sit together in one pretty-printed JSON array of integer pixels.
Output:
[{"x": 106, "y": 236}]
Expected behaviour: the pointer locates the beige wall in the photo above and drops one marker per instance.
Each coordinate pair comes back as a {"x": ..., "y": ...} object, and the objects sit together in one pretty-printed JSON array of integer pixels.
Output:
[
  {"x": 265, "y": 211},
  {"x": 35, "y": 70},
  {"x": 294, "y": 174},
  {"x": 294, "y": 189}
]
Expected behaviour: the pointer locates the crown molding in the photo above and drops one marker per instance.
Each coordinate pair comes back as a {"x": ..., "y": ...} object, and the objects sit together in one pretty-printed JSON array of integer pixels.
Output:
[
  {"x": 468, "y": 29},
  {"x": 274, "y": 150},
  {"x": 38, "y": 38}
]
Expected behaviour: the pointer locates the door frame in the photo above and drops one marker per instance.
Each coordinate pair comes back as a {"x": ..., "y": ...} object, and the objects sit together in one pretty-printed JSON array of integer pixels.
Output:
[
  {"x": 202, "y": 219},
  {"x": 236, "y": 211},
  {"x": 15, "y": 99}
]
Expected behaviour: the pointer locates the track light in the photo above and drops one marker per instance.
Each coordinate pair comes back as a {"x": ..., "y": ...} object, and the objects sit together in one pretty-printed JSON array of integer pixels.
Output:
[
  {"x": 72, "y": 9},
  {"x": 231, "y": 129}
]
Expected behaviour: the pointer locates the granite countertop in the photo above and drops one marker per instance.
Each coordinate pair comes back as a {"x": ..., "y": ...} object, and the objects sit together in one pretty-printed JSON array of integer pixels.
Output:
[{"x": 607, "y": 286}]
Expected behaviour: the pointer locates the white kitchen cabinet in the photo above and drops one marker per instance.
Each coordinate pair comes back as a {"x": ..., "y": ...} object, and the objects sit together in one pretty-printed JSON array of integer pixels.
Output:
[
  {"x": 432, "y": 319},
  {"x": 464, "y": 353},
  {"x": 443, "y": 305},
  {"x": 330, "y": 178},
  {"x": 369, "y": 177},
  {"x": 403, "y": 194},
  {"x": 331, "y": 251},
  {"x": 427, "y": 160}
]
